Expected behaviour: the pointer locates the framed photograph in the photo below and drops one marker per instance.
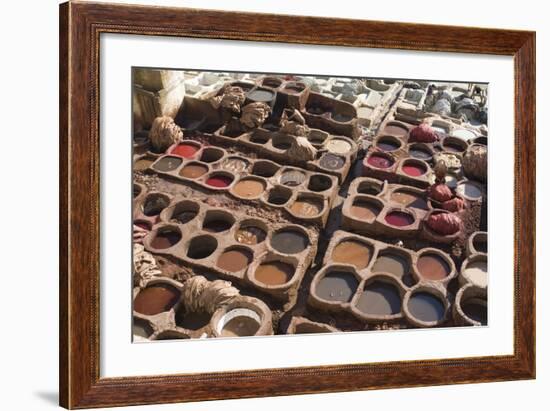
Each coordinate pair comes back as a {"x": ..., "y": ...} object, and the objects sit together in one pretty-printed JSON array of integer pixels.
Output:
[{"x": 256, "y": 205}]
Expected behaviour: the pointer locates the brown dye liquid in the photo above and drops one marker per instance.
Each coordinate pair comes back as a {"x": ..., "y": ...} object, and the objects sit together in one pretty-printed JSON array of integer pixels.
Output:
[
  {"x": 234, "y": 260},
  {"x": 289, "y": 241},
  {"x": 391, "y": 263},
  {"x": 249, "y": 188},
  {"x": 306, "y": 208},
  {"x": 250, "y": 235},
  {"x": 409, "y": 200},
  {"x": 240, "y": 326},
  {"x": 433, "y": 267},
  {"x": 168, "y": 163},
  {"x": 165, "y": 239},
  {"x": 143, "y": 164},
  {"x": 426, "y": 307},
  {"x": 380, "y": 298},
  {"x": 364, "y": 210},
  {"x": 274, "y": 273},
  {"x": 193, "y": 171},
  {"x": 337, "y": 286},
  {"x": 156, "y": 299},
  {"x": 352, "y": 252}
]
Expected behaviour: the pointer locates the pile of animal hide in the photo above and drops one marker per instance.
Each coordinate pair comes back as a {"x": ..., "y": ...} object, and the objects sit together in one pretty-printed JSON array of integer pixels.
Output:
[
  {"x": 201, "y": 295},
  {"x": 444, "y": 223},
  {"x": 164, "y": 132}
]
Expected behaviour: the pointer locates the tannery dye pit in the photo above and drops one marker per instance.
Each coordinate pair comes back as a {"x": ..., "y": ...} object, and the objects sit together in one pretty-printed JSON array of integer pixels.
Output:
[{"x": 268, "y": 204}]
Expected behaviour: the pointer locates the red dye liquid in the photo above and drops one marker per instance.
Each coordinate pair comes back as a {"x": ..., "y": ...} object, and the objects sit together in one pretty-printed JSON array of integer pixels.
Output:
[
  {"x": 219, "y": 181},
  {"x": 413, "y": 170},
  {"x": 399, "y": 219},
  {"x": 185, "y": 150},
  {"x": 379, "y": 161}
]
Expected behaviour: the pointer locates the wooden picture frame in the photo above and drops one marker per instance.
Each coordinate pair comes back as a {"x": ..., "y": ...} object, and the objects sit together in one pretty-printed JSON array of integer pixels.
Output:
[{"x": 80, "y": 27}]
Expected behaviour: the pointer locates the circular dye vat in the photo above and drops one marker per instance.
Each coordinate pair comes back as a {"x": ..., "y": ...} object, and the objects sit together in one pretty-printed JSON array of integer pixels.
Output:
[
  {"x": 476, "y": 272},
  {"x": 396, "y": 130},
  {"x": 249, "y": 188},
  {"x": 185, "y": 150},
  {"x": 166, "y": 239},
  {"x": 241, "y": 325},
  {"x": 426, "y": 307},
  {"x": 352, "y": 252},
  {"x": 433, "y": 267},
  {"x": 183, "y": 217},
  {"x": 156, "y": 299},
  {"x": 217, "y": 225},
  {"x": 414, "y": 170},
  {"x": 259, "y": 95},
  {"x": 234, "y": 260},
  {"x": 278, "y": 197},
  {"x": 341, "y": 117},
  {"x": 439, "y": 130},
  {"x": 463, "y": 134},
  {"x": 258, "y": 137},
  {"x": 331, "y": 161},
  {"x": 289, "y": 241},
  {"x": 480, "y": 245},
  {"x": 380, "y": 298},
  {"x": 274, "y": 273},
  {"x": 419, "y": 153},
  {"x": 391, "y": 263},
  {"x": 193, "y": 170},
  {"x": 192, "y": 320},
  {"x": 469, "y": 190},
  {"x": 337, "y": 286},
  {"x": 235, "y": 164},
  {"x": 219, "y": 181},
  {"x": 292, "y": 178},
  {"x": 365, "y": 210},
  {"x": 201, "y": 247},
  {"x": 319, "y": 182},
  {"x": 378, "y": 161},
  {"x": 141, "y": 328},
  {"x": 409, "y": 199},
  {"x": 453, "y": 147},
  {"x": 318, "y": 111},
  {"x": 264, "y": 169},
  {"x": 451, "y": 181},
  {"x": 338, "y": 146},
  {"x": 167, "y": 163},
  {"x": 282, "y": 142},
  {"x": 367, "y": 187},
  {"x": 387, "y": 144},
  {"x": 399, "y": 219},
  {"x": 307, "y": 207},
  {"x": 317, "y": 137},
  {"x": 146, "y": 225},
  {"x": 475, "y": 309},
  {"x": 154, "y": 204},
  {"x": 211, "y": 155},
  {"x": 143, "y": 164},
  {"x": 250, "y": 235}
]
